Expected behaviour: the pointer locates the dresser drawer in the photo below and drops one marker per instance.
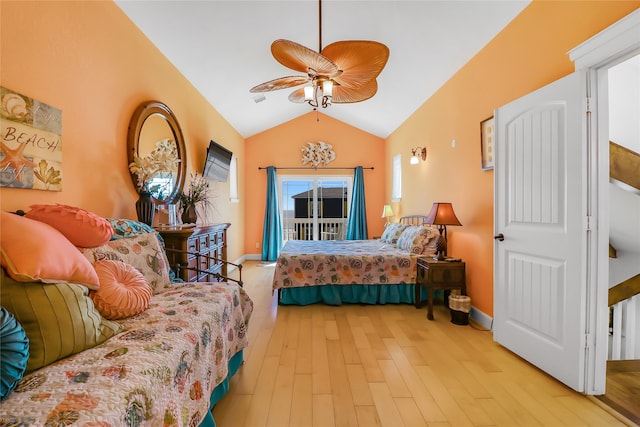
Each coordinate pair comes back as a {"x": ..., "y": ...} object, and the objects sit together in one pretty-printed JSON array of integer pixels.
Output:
[{"x": 447, "y": 275}]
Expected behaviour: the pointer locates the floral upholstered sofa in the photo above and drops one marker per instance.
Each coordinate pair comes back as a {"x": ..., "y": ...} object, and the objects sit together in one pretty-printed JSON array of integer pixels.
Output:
[{"x": 98, "y": 335}]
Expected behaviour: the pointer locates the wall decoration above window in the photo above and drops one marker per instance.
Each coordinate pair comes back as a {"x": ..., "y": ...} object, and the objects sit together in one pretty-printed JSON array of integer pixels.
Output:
[
  {"x": 317, "y": 154},
  {"x": 31, "y": 144}
]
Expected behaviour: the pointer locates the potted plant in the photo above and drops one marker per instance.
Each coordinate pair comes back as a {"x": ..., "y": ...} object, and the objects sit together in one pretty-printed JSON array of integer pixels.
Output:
[{"x": 196, "y": 194}]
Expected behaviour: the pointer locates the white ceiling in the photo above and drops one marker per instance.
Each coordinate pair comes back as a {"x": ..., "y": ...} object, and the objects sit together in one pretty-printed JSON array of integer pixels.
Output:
[{"x": 223, "y": 49}]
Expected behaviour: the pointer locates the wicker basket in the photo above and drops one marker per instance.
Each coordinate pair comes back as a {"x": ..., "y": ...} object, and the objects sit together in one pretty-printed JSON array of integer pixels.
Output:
[{"x": 459, "y": 305}]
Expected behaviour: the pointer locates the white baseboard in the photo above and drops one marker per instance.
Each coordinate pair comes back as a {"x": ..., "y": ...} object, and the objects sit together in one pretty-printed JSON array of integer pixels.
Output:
[{"x": 481, "y": 318}]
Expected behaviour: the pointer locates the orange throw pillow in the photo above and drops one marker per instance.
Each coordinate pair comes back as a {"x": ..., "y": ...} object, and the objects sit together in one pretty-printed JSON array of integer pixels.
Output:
[
  {"x": 124, "y": 292},
  {"x": 83, "y": 228},
  {"x": 34, "y": 251}
]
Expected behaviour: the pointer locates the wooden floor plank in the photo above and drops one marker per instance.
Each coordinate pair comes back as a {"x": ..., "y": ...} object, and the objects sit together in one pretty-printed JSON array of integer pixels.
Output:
[{"x": 302, "y": 401}]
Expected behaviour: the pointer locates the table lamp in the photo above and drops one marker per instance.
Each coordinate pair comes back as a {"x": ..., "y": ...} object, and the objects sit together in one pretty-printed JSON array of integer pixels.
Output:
[
  {"x": 442, "y": 214},
  {"x": 387, "y": 213}
]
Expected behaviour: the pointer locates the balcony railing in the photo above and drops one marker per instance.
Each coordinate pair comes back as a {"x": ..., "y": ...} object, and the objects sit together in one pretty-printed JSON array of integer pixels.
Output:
[{"x": 304, "y": 228}]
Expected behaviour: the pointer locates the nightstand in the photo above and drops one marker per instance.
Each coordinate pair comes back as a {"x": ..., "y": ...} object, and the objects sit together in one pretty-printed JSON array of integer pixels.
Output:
[{"x": 434, "y": 275}]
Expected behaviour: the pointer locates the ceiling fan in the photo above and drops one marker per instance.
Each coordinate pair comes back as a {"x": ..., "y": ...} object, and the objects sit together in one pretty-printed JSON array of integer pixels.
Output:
[{"x": 343, "y": 72}]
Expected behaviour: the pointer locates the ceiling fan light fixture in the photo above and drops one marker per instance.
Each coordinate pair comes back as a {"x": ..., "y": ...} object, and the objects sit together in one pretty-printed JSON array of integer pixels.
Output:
[
  {"x": 327, "y": 88},
  {"x": 308, "y": 93},
  {"x": 343, "y": 72}
]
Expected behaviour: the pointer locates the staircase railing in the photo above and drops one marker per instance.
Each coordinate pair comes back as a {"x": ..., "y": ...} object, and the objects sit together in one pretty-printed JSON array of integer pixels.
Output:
[
  {"x": 624, "y": 307},
  {"x": 624, "y": 165}
]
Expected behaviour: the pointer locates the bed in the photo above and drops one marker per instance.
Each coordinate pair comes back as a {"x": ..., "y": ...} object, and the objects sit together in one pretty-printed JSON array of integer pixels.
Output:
[{"x": 377, "y": 271}]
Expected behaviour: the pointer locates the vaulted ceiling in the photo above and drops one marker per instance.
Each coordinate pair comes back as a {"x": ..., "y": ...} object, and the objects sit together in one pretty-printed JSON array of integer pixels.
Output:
[{"x": 223, "y": 49}]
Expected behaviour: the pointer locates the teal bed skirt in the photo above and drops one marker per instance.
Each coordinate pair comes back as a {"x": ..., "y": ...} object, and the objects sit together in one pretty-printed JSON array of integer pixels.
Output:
[
  {"x": 222, "y": 389},
  {"x": 350, "y": 294}
]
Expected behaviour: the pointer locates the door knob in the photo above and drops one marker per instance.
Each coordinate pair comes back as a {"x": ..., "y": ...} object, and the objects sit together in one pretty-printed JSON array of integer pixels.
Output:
[{"x": 499, "y": 237}]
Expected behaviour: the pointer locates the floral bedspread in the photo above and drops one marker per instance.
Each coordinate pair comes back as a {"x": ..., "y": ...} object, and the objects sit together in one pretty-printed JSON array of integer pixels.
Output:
[
  {"x": 159, "y": 372},
  {"x": 342, "y": 262}
]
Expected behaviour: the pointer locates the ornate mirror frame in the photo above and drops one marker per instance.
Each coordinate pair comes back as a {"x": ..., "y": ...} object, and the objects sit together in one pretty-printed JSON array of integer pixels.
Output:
[{"x": 141, "y": 114}]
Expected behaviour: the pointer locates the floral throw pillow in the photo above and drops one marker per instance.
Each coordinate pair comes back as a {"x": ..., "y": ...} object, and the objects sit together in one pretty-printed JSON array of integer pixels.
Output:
[
  {"x": 419, "y": 239},
  {"x": 392, "y": 232},
  {"x": 407, "y": 237},
  {"x": 425, "y": 241},
  {"x": 142, "y": 251}
]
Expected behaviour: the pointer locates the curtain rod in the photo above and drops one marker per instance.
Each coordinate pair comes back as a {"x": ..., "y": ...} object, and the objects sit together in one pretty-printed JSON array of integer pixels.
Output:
[{"x": 300, "y": 168}]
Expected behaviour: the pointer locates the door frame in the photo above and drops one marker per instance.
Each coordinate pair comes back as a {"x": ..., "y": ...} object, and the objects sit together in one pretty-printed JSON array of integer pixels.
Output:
[{"x": 596, "y": 55}]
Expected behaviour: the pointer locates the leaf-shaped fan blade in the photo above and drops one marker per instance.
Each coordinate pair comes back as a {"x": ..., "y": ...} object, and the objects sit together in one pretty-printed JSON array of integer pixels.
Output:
[
  {"x": 301, "y": 58},
  {"x": 281, "y": 83},
  {"x": 297, "y": 96},
  {"x": 359, "y": 60},
  {"x": 347, "y": 95}
]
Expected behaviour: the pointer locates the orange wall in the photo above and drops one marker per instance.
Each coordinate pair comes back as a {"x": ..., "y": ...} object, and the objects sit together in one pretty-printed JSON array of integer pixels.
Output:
[
  {"x": 89, "y": 60},
  {"x": 529, "y": 53},
  {"x": 281, "y": 147}
]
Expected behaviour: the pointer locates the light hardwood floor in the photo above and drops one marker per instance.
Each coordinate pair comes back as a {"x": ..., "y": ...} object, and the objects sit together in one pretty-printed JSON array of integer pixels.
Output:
[{"x": 385, "y": 365}]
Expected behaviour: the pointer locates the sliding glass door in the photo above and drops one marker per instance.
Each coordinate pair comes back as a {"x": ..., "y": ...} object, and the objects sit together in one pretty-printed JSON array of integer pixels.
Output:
[{"x": 314, "y": 208}]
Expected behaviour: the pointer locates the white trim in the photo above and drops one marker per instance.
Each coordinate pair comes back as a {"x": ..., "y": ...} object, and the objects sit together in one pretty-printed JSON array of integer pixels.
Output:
[
  {"x": 596, "y": 55},
  {"x": 620, "y": 39},
  {"x": 481, "y": 318}
]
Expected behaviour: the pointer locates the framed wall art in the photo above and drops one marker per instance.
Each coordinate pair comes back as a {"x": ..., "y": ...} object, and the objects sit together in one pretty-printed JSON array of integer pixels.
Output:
[
  {"x": 30, "y": 143},
  {"x": 487, "y": 138}
]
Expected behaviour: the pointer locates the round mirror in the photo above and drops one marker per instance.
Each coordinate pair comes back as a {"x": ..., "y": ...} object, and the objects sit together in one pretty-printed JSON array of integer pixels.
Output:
[{"x": 156, "y": 152}]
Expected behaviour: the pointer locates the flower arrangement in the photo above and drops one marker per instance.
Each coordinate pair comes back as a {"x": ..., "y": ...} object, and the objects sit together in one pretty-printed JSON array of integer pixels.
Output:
[
  {"x": 163, "y": 158},
  {"x": 196, "y": 193}
]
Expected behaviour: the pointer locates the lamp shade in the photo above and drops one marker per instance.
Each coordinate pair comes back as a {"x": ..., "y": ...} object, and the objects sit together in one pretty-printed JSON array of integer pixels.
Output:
[
  {"x": 442, "y": 214},
  {"x": 308, "y": 93},
  {"x": 387, "y": 211}
]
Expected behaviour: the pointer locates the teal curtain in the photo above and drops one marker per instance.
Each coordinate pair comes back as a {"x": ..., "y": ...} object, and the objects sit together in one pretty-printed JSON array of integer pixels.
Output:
[
  {"x": 272, "y": 232},
  {"x": 357, "y": 225}
]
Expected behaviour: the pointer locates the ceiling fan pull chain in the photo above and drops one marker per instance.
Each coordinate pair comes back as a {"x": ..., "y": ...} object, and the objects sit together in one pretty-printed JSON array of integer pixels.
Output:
[{"x": 319, "y": 26}]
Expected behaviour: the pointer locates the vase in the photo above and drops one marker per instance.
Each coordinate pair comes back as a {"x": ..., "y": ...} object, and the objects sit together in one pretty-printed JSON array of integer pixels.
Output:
[
  {"x": 145, "y": 208},
  {"x": 189, "y": 215}
]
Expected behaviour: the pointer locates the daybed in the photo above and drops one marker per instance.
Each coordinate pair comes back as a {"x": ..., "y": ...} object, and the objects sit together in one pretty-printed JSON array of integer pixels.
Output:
[
  {"x": 377, "y": 271},
  {"x": 167, "y": 365}
]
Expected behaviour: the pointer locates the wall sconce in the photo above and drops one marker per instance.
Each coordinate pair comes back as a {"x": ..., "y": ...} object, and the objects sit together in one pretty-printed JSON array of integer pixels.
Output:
[{"x": 416, "y": 154}]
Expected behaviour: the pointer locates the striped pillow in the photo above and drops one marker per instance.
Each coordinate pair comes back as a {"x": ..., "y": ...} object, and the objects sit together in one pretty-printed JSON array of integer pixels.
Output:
[{"x": 58, "y": 318}]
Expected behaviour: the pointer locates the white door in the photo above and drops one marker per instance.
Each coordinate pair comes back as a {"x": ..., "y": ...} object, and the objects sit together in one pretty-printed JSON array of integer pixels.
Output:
[{"x": 540, "y": 210}]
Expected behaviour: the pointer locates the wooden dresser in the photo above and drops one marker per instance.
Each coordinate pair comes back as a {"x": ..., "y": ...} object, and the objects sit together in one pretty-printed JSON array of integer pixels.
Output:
[{"x": 195, "y": 244}]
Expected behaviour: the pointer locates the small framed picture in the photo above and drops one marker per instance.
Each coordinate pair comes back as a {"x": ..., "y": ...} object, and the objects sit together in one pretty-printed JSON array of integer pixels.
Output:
[{"x": 487, "y": 139}]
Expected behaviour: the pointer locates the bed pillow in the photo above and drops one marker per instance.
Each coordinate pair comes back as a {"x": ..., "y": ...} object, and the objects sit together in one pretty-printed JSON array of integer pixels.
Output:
[
  {"x": 142, "y": 251},
  {"x": 425, "y": 241},
  {"x": 14, "y": 352},
  {"x": 58, "y": 318},
  {"x": 124, "y": 292},
  {"x": 124, "y": 227},
  {"x": 34, "y": 251},
  {"x": 407, "y": 237},
  {"x": 83, "y": 228},
  {"x": 392, "y": 232}
]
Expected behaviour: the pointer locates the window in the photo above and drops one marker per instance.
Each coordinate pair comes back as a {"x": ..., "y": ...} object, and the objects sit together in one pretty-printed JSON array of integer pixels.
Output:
[
  {"x": 233, "y": 180},
  {"x": 314, "y": 208},
  {"x": 396, "y": 183}
]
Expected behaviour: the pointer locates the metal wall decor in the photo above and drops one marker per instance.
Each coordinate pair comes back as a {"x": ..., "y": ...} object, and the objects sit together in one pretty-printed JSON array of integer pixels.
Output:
[{"x": 317, "y": 154}]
